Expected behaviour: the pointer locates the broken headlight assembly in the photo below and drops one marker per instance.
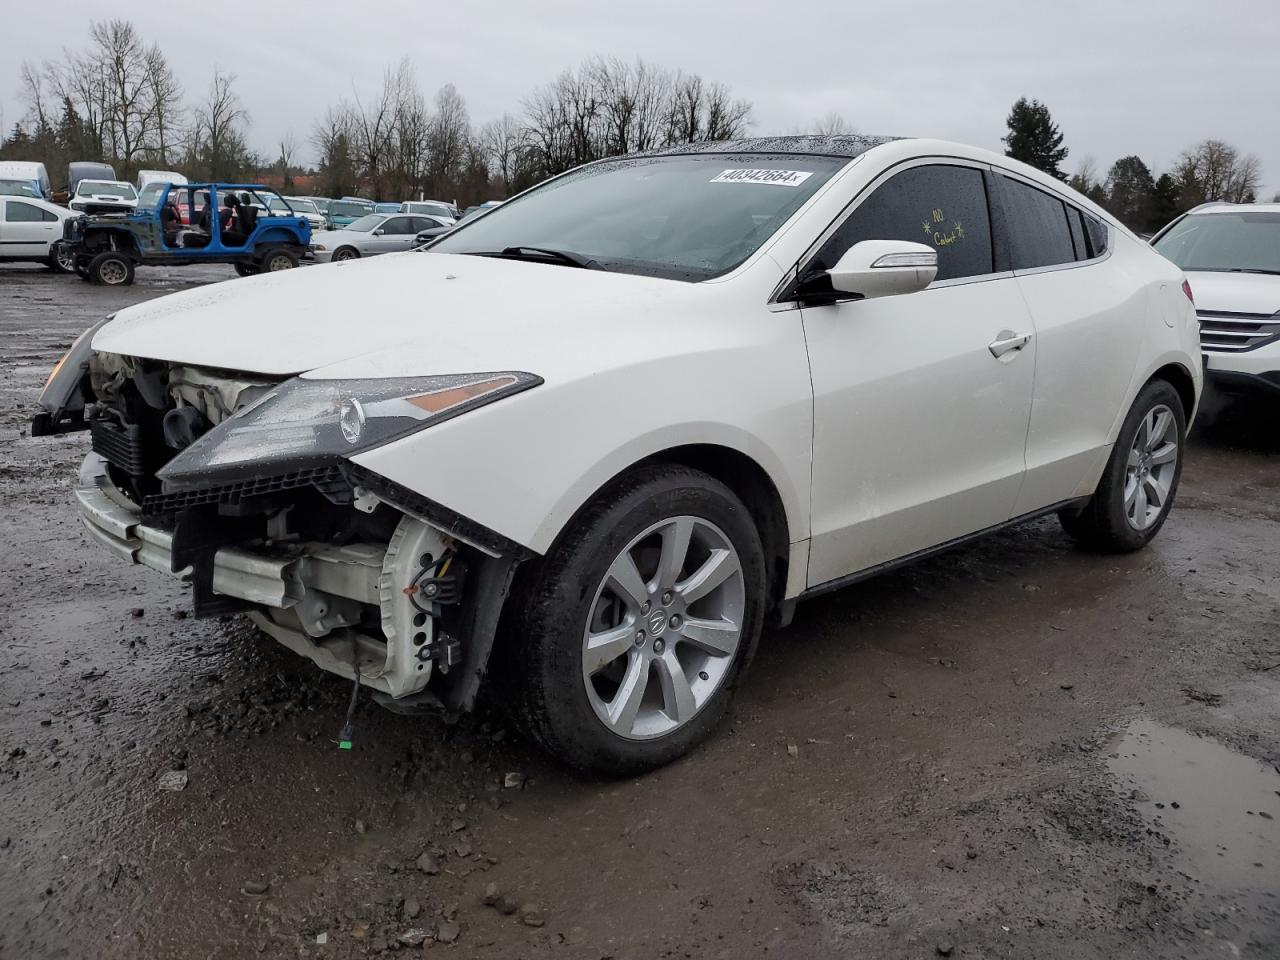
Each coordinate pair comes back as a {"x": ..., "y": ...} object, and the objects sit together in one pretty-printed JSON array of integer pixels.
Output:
[{"x": 308, "y": 421}]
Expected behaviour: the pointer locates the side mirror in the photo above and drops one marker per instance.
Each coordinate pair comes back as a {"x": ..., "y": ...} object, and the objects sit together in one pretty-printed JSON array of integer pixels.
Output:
[
  {"x": 884, "y": 268},
  {"x": 379, "y": 232}
]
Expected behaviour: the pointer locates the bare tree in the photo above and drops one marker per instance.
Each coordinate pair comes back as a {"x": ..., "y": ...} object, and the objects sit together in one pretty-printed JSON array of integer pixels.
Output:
[
  {"x": 449, "y": 138},
  {"x": 1214, "y": 170},
  {"x": 503, "y": 140},
  {"x": 218, "y": 132}
]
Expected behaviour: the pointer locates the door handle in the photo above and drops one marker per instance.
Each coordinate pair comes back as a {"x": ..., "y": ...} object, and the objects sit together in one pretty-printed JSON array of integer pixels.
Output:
[{"x": 1007, "y": 340}]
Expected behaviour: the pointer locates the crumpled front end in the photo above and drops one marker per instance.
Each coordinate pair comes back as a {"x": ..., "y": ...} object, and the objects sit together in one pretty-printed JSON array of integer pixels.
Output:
[{"x": 338, "y": 564}]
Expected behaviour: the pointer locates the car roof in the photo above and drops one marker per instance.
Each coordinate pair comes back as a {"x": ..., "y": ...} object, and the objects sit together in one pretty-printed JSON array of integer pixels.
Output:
[{"x": 846, "y": 145}]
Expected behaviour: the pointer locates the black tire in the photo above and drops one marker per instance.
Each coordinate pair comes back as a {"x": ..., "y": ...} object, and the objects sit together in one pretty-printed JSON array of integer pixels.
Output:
[
  {"x": 111, "y": 269},
  {"x": 277, "y": 258},
  {"x": 1103, "y": 524},
  {"x": 81, "y": 267},
  {"x": 345, "y": 253},
  {"x": 543, "y": 629},
  {"x": 245, "y": 269}
]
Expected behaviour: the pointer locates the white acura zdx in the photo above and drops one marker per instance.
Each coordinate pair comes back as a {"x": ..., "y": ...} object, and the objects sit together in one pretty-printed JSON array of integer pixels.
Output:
[{"x": 586, "y": 443}]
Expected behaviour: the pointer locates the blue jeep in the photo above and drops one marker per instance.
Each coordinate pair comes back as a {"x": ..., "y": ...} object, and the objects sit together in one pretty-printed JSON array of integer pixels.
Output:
[{"x": 181, "y": 224}]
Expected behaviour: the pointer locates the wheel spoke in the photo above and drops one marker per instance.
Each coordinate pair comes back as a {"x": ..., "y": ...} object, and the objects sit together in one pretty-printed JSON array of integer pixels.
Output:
[
  {"x": 675, "y": 548},
  {"x": 717, "y": 568},
  {"x": 626, "y": 704},
  {"x": 607, "y": 646},
  {"x": 625, "y": 580},
  {"x": 716, "y": 637},
  {"x": 1164, "y": 454},
  {"x": 1139, "y": 513},
  {"x": 1135, "y": 459},
  {"x": 1157, "y": 490},
  {"x": 1144, "y": 434},
  {"x": 677, "y": 696},
  {"x": 1162, "y": 419}
]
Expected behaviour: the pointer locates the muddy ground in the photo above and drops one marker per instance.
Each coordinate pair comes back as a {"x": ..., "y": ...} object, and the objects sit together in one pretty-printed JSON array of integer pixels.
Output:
[{"x": 1013, "y": 750}]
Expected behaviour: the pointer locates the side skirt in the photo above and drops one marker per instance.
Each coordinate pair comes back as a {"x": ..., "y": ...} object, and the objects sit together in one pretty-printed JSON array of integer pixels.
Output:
[{"x": 860, "y": 575}]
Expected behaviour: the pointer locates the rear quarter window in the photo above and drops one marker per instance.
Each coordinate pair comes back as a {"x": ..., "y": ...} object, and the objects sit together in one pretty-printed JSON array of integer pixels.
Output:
[{"x": 1039, "y": 234}]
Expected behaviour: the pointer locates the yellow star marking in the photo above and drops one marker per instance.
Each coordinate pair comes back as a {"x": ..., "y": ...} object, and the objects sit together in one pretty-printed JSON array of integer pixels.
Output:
[{"x": 928, "y": 227}]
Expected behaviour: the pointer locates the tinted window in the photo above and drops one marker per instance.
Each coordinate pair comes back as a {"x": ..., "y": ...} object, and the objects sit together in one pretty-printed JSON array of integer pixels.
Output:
[
  {"x": 1076, "y": 221},
  {"x": 1097, "y": 235},
  {"x": 1038, "y": 231},
  {"x": 944, "y": 207},
  {"x": 398, "y": 225},
  {"x": 18, "y": 212}
]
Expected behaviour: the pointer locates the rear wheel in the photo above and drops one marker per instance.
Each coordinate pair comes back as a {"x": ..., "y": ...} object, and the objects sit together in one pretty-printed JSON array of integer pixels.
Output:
[
  {"x": 60, "y": 260},
  {"x": 278, "y": 259},
  {"x": 636, "y": 628},
  {"x": 111, "y": 269},
  {"x": 1134, "y": 496},
  {"x": 345, "y": 253}
]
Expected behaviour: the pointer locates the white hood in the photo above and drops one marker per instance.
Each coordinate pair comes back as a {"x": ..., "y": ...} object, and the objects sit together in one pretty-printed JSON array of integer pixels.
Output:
[
  {"x": 1235, "y": 292},
  {"x": 401, "y": 314}
]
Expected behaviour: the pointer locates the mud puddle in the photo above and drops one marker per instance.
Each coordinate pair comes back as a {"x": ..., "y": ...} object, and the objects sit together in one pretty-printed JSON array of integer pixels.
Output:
[{"x": 1220, "y": 809}]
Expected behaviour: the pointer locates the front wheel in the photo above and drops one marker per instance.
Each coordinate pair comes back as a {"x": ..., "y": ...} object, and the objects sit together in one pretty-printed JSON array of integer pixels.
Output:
[
  {"x": 111, "y": 269},
  {"x": 1134, "y": 496},
  {"x": 245, "y": 269},
  {"x": 345, "y": 253},
  {"x": 637, "y": 626},
  {"x": 278, "y": 259}
]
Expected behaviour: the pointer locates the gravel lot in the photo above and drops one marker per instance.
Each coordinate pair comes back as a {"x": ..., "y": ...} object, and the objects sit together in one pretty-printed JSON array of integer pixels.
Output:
[{"x": 1013, "y": 750}]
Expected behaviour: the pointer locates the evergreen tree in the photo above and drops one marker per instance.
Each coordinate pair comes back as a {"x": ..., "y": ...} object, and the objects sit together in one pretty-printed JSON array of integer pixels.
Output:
[
  {"x": 1129, "y": 191},
  {"x": 1164, "y": 202},
  {"x": 1034, "y": 138}
]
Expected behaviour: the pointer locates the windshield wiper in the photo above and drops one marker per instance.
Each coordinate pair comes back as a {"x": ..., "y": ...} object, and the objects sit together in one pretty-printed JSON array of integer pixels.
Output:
[
  {"x": 1274, "y": 273},
  {"x": 563, "y": 256}
]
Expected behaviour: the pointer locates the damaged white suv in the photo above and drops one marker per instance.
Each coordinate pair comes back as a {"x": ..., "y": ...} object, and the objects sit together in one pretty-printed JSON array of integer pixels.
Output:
[{"x": 587, "y": 442}]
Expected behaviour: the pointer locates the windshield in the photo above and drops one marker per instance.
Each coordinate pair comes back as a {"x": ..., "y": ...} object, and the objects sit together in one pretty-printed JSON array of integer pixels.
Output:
[
  {"x": 345, "y": 208},
  {"x": 681, "y": 217},
  {"x": 366, "y": 224},
  {"x": 1231, "y": 241},
  {"x": 98, "y": 188},
  {"x": 151, "y": 193},
  {"x": 18, "y": 188},
  {"x": 431, "y": 209},
  {"x": 299, "y": 206}
]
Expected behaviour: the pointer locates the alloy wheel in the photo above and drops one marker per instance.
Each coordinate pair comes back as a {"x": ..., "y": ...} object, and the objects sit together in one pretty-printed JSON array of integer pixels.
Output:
[
  {"x": 279, "y": 262},
  {"x": 1151, "y": 468},
  {"x": 664, "y": 627}
]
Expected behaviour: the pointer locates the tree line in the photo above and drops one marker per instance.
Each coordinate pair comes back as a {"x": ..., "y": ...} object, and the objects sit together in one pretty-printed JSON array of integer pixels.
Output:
[
  {"x": 1207, "y": 171},
  {"x": 118, "y": 100}
]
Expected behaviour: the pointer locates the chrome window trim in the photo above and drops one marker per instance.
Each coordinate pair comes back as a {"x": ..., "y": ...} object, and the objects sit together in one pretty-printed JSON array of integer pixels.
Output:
[{"x": 857, "y": 200}]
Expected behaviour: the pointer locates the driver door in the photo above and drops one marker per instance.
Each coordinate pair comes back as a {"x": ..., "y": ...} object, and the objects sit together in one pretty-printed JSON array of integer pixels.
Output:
[
  {"x": 396, "y": 233},
  {"x": 919, "y": 428}
]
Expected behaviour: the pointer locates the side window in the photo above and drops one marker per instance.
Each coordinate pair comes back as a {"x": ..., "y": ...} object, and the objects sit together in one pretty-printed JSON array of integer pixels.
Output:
[
  {"x": 1075, "y": 219},
  {"x": 942, "y": 206},
  {"x": 18, "y": 212},
  {"x": 1039, "y": 235},
  {"x": 1097, "y": 235},
  {"x": 397, "y": 225}
]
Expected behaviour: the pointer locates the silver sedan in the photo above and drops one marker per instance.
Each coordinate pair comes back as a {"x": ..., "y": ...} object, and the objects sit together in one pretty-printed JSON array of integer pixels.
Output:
[{"x": 370, "y": 235}]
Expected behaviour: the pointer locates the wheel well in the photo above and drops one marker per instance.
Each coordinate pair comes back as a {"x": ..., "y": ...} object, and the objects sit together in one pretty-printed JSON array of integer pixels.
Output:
[
  {"x": 1178, "y": 377},
  {"x": 749, "y": 482},
  {"x": 100, "y": 241}
]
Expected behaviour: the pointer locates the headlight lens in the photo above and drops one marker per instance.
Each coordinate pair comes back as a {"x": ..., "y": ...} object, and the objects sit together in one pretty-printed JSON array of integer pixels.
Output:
[{"x": 310, "y": 420}]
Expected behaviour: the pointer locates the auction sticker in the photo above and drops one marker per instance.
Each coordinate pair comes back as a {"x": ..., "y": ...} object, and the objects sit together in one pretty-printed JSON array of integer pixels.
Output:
[{"x": 776, "y": 178}]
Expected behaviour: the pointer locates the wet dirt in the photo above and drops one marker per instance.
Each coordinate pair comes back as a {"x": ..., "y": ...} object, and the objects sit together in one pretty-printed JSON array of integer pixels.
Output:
[{"x": 964, "y": 755}]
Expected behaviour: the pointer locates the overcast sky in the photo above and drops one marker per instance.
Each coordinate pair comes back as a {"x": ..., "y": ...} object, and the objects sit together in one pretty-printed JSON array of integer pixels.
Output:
[{"x": 1119, "y": 76}]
